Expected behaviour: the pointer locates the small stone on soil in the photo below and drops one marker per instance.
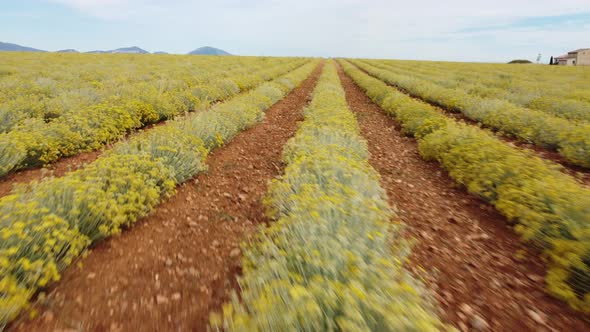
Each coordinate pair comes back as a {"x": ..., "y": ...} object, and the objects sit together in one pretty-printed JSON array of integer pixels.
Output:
[
  {"x": 467, "y": 309},
  {"x": 161, "y": 299},
  {"x": 536, "y": 316},
  {"x": 235, "y": 252},
  {"x": 48, "y": 317},
  {"x": 478, "y": 323}
]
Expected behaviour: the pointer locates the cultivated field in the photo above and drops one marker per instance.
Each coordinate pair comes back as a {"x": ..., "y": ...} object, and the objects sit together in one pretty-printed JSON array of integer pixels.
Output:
[{"x": 142, "y": 192}]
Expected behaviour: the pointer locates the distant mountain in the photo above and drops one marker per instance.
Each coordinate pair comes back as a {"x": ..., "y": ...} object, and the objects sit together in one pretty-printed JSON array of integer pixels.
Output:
[
  {"x": 130, "y": 50},
  {"x": 208, "y": 50},
  {"x": 8, "y": 47},
  {"x": 205, "y": 50},
  {"x": 124, "y": 50}
]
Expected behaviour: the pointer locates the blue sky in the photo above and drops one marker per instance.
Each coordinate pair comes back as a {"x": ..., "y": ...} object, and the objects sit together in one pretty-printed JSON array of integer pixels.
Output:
[{"x": 460, "y": 30}]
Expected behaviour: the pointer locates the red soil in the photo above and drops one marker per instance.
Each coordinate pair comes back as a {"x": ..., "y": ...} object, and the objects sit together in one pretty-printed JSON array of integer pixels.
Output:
[
  {"x": 61, "y": 166},
  {"x": 177, "y": 265},
  {"x": 579, "y": 173},
  {"x": 464, "y": 245}
]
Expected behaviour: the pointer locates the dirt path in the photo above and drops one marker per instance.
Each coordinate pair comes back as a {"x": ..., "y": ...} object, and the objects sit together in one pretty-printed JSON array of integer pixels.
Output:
[
  {"x": 173, "y": 268},
  {"x": 463, "y": 244},
  {"x": 580, "y": 173}
]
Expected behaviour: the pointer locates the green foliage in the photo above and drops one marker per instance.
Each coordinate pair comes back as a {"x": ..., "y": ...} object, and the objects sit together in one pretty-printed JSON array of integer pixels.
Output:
[
  {"x": 551, "y": 209},
  {"x": 51, "y": 121},
  {"x": 327, "y": 264},
  {"x": 45, "y": 225},
  {"x": 558, "y": 91},
  {"x": 570, "y": 139},
  {"x": 571, "y": 109},
  {"x": 185, "y": 157}
]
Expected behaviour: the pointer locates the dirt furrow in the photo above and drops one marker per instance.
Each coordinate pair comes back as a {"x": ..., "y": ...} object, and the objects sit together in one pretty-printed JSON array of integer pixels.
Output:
[
  {"x": 578, "y": 172},
  {"x": 174, "y": 267},
  {"x": 480, "y": 273},
  {"x": 63, "y": 165},
  {"x": 59, "y": 168}
]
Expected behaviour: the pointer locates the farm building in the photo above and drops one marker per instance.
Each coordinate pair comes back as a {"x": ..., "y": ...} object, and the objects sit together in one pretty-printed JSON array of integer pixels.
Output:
[{"x": 580, "y": 57}]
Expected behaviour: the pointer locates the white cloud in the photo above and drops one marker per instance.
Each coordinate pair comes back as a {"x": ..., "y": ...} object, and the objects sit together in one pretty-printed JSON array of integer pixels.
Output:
[
  {"x": 377, "y": 28},
  {"x": 114, "y": 9}
]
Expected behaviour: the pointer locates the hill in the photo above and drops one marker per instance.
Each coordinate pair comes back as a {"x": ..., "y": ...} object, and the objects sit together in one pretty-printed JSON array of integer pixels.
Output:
[
  {"x": 129, "y": 50},
  {"x": 208, "y": 50},
  {"x": 8, "y": 47},
  {"x": 123, "y": 50}
]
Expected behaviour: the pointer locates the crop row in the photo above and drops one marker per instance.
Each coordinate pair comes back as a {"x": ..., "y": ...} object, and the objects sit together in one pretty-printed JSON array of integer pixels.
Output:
[
  {"x": 563, "y": 81},
  {"x": 550, "y": 209},
  {"x": 50, "y": 88},
  {"x": 546, "y": 95},
  {"x": 44, "y": 226},
  {"x": 571, "y": 140},
  {"x": 327, "y": 263},
  {"x": 37, "y": 142}
]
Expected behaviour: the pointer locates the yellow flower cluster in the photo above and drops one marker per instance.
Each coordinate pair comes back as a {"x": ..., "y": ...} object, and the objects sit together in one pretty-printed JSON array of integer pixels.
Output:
[
  {"x": 551, "y": 209},
  {"x": 45, "y": 225},
  {"x": 49, "y": 85},
  {"x": 557, "y": 91},
  {"x": 128, "y": 103},
  {"x": 327, "y": 263},
  {"x": 570, "y": 139}
]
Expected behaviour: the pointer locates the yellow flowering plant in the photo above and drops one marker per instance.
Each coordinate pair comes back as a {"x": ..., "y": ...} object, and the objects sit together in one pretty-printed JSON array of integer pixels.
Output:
[
  {"x": 92, "y": 115},
  {"x": 551, "y": 209},
  {"x": 45, "y": 225},
  {"x": 327, "y": 263},
  {"x": 570, "y": 139}
]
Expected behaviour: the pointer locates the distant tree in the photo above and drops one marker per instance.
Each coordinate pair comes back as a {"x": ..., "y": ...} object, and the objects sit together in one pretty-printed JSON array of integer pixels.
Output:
[
  {"x": 520, "y": 61},
  {"x": 551, "y": 61}
]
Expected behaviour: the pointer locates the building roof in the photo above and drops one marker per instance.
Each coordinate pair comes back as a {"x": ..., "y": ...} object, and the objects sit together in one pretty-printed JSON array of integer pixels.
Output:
[
  {"x": 578, "y": 50},
  {"x": 565, "y": 56}
]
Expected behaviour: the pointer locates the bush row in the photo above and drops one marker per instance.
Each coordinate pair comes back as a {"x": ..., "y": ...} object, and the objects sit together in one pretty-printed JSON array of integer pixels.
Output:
[
  {"x": 562, "y": 82},
  {"x": 36, "y": 142},
  {"x": 45, "y": 225},
  {"x": 542, "y": 96},
  {"x": 551, "y": 210},
  {"x": 571, "y": 140},
  {"x": 50, "y": 87},
  {"x": 327, "y": 263}
]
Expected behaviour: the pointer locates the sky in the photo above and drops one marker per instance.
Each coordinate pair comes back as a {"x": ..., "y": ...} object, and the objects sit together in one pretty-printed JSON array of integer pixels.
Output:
[{"x": 452, "y": 30}]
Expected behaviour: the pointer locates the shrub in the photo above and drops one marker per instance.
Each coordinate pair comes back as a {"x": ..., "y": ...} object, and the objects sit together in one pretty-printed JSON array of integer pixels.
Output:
[
  {"x": 327, "y": 264},
  {"x": 45, "y": 225},
  {"x": 551, "y": 209},
  {"x": 519, "y": 61}
]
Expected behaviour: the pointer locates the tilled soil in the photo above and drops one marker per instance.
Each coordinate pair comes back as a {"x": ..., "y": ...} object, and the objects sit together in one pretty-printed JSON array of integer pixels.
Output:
[
  {"x": 468, "y": 252},
  {"x": 59, "y": 168},
  {"x": 173, "y": 268},
  {"x": 62, "y": 166},
  {"x": 581, "y": 174}
]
